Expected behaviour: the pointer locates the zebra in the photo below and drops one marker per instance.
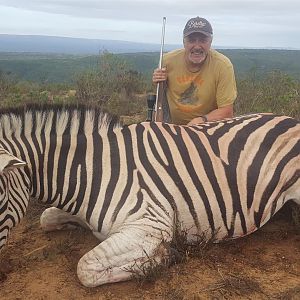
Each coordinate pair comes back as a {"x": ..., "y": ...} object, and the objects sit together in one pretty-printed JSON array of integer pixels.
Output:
[
  {"x": 131, "y": 184},
  {"x": 14, "y": 193}
]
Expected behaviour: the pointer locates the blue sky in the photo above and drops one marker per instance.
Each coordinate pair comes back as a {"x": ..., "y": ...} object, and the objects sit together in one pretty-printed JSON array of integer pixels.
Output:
[{"x": 236, "y": 23}]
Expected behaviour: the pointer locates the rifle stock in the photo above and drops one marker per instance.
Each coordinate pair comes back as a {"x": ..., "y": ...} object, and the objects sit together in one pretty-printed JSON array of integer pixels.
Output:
[
  {"x": 159, "y": 115},
  {"x": 151, "y": 99}
]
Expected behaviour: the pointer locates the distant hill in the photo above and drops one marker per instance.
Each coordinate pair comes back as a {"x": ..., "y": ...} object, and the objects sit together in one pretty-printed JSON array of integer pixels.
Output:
[
  {"x": 82, "y": 46},
  {"x": 63, "y": 68},
  {"x": 55, "y": 44}
]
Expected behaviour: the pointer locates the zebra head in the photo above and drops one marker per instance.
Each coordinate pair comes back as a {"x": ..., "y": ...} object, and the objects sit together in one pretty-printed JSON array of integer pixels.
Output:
[{"x": 14, "y": 193}]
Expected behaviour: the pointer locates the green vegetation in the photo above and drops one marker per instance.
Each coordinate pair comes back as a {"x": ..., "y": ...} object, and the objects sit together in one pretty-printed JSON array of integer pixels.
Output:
[
  {"x": 46, "y": 68},
  {"x": 119, "y": 83},
  {"x": 113, "y": 86},
  {"x": 58, "y": 68},
  {"x": 277, "y": 93},
  {"x": 263, "y": 61}
]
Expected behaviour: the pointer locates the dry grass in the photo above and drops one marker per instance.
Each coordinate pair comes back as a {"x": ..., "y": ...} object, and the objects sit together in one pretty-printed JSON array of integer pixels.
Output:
[
  {"x": 296, "y": 215},
  {"x": 233, "y": 285},
  {"x": 178, "y": 251}
]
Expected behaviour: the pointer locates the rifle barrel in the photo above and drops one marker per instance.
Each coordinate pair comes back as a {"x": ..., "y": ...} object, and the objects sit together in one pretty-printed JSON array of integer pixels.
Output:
[{"x": 160, "y": 86}]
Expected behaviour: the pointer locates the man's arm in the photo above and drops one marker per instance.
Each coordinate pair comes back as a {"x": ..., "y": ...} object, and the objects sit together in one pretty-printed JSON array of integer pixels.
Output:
[{"x": 217, "y": 114}]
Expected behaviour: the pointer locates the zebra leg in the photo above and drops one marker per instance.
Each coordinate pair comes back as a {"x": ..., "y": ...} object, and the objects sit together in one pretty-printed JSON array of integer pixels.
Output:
[
  {"x": 129, "y": 250},
  {"x": 56, "y": 219},
  {"x": 296, "y": 208}
]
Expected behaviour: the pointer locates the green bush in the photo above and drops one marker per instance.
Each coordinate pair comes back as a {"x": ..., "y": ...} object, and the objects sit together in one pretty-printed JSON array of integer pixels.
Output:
[
  {"x": 113, "y": 85},
  {"x": 6, "y": 84},
  {"x": 277, "y": 93}
]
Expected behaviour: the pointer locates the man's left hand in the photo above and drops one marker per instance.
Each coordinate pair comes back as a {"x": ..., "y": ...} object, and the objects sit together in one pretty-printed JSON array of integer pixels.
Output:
[{"x": 196, "y": 121}]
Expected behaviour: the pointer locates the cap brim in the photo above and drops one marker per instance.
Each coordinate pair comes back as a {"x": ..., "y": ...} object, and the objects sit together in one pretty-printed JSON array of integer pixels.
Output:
[{"x": 198, "y": 31}]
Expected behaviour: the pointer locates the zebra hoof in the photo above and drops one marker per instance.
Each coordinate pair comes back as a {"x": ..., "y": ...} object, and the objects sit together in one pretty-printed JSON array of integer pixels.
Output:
[
  {"x": 53, "y": 219},
  {"x": 93, "y": 271}
]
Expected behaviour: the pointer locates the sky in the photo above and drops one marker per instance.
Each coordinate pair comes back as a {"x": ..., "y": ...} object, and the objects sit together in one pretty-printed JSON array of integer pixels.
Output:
[{"x": 236, "y": 23}]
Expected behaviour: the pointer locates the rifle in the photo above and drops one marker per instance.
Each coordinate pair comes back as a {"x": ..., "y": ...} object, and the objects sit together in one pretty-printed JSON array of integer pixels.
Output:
[{"x": 155, "y": 112}]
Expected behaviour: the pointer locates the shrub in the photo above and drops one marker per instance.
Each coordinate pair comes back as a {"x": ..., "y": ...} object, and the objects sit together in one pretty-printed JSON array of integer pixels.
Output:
[
  {"x": 5, "y": 84},
  {"x": 113, "y": 85},
  {"x": 277, "y": 93}
]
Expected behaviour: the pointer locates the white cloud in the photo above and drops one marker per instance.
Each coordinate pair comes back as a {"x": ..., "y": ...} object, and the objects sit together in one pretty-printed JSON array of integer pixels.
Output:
[{"x": 236, "y": 23}]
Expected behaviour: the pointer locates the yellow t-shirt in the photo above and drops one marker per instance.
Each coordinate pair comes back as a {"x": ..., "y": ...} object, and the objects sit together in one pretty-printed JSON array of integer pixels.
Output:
[{"x": 193, "y": 94}]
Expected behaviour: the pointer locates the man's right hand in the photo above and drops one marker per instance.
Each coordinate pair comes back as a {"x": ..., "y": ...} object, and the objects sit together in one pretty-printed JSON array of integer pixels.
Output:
[{"x": 159, "y": 75}]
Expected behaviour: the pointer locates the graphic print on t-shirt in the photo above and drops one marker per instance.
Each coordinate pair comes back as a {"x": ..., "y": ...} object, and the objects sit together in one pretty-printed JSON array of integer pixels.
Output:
[{"x": 189, "y": 96}]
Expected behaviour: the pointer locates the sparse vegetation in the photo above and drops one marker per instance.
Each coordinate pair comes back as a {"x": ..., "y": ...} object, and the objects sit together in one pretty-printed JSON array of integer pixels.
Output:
[
  {"x": 234, "y": 285},
  {"x": 264, "y": 265},
  {"x": 183, "y": 247},
  {"x": 296, "y": 215},
  {"x": 276, "y": 93},
  {"x": 5, "y": 84},
  {"x": 113, "y": 86},
  {"x": 179, "y": 250},
  {"x": 149, "y": 271}
]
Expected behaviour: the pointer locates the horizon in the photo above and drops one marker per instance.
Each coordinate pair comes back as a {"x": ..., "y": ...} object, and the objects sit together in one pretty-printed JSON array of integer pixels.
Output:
[{"x": 142, "y": 43}]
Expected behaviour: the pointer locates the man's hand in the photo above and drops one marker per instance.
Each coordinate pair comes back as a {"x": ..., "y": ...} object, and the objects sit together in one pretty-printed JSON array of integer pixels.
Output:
[
  {"x": 217, "y": 114},
  {"x": 159, "y": 75},
  {"x": 196, "y": 121}
]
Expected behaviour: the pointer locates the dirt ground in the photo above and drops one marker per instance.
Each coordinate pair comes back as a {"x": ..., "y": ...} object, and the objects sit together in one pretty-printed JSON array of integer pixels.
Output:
[{"x": 264, "y": 265}]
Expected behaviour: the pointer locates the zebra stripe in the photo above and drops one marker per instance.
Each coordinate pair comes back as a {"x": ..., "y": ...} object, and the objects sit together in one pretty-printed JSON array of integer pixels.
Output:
[
  {"x": 14, "y": 193},
  {"x": 130, "y": 184}
]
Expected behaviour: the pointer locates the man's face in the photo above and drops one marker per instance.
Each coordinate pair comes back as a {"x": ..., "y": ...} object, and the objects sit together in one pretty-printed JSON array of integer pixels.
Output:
[{"x": 196, "y": 47}]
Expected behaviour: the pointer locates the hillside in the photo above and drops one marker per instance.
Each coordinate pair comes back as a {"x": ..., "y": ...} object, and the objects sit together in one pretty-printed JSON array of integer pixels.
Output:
[
  {"x": 64, "y": 67},
  {"x": 56, "y": 44}
]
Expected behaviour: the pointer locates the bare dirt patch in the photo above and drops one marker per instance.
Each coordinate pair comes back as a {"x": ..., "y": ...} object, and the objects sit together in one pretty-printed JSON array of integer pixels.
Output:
[{"x": 264, "y": 265}]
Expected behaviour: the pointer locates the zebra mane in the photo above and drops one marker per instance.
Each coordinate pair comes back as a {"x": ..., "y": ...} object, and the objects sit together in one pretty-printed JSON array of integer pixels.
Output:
[{"x": 43, "y": 115}]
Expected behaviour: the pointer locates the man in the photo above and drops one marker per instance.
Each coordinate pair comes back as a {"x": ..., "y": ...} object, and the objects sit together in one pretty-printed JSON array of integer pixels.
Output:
[{"x": 200, "y": 81}]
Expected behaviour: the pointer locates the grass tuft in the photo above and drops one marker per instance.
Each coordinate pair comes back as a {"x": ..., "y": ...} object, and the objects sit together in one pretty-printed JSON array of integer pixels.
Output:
[{"x": 179, "y": 250}]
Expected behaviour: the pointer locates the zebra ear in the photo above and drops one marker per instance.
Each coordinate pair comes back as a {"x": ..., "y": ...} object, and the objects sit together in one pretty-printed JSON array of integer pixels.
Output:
[{"x": 9, "y": 161}]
